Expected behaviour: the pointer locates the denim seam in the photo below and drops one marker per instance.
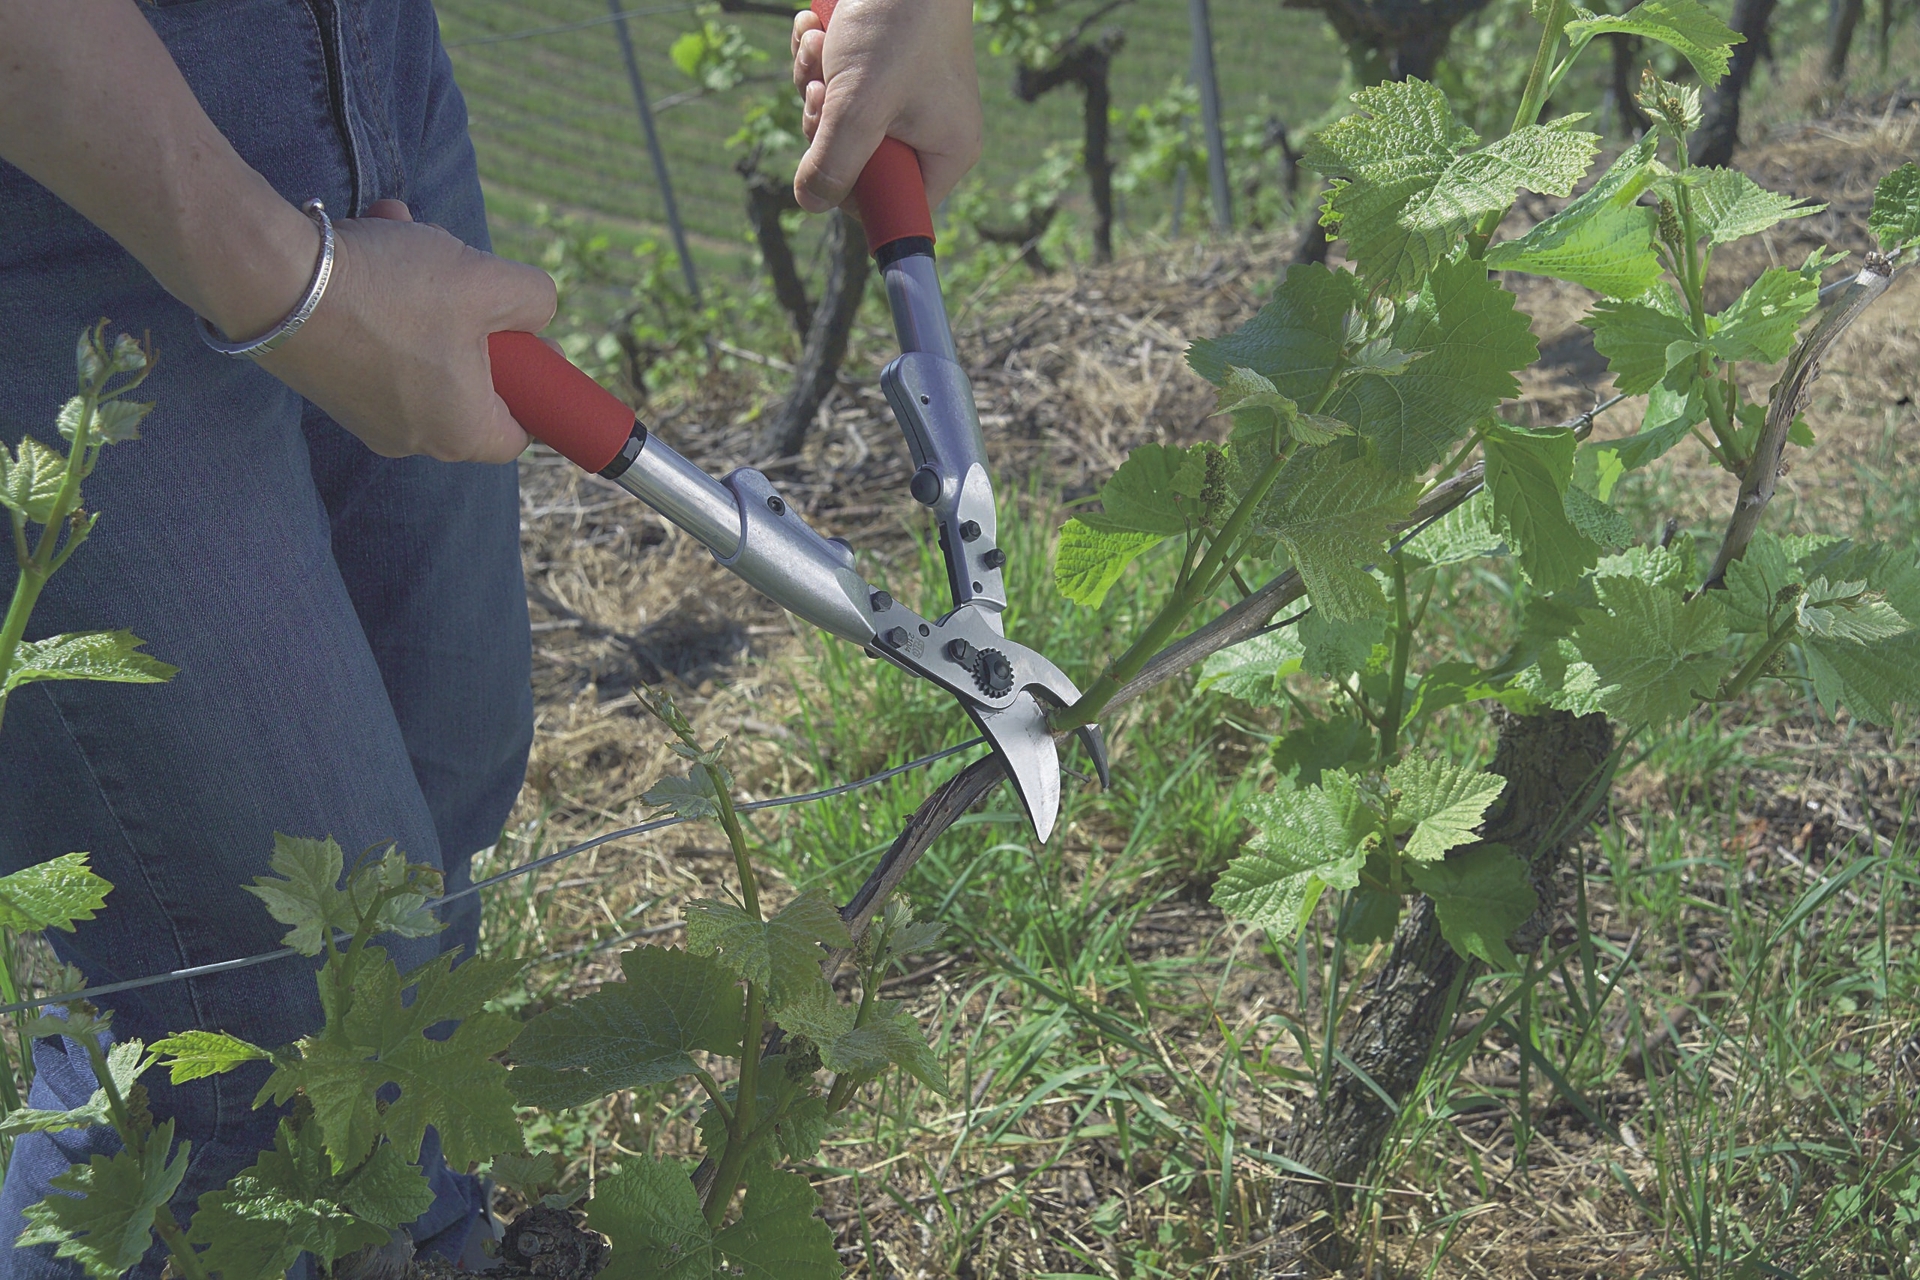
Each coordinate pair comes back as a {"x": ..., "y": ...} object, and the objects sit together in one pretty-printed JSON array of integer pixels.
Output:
[
  {"x": 377, "y": 109},
  {"x": 326, "y": 24}
]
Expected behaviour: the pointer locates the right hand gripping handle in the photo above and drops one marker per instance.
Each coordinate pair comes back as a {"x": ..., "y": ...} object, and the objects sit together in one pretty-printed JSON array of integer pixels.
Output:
[{"x": 890, "y": 194}]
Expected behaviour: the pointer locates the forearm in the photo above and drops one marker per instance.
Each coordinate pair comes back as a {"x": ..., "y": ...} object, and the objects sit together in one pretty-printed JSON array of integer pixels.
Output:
[{"x": 93, "y": 108}]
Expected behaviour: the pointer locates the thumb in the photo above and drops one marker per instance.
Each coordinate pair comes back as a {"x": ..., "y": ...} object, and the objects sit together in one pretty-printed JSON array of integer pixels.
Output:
[
  {"x": 391, "y": 210},
  {"x": 841, "y": 147}
]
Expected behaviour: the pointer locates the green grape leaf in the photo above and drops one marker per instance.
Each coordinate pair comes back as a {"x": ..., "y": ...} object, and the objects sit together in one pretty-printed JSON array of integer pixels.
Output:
[
  {"x": 305, "y": 892},
  {"x": 1471, "y": 339},
  {"x": 778, "y": 1235},
  {"x": 1868, "y": 679},
  {"x": 901, "y": 935},
  {"x": 1295, "y": 341},
  {"x": 1452, "y": 684},
  {"x": 1143, "y": 497},
  {"x": 1333, "y": 649},
  {"x": 1370, "y": 916},
  {"x": 101, "y": 1213},
  {"x": 1597, "y": 471},
  {"x": 1652, "y": 654},
  {"x": 291, "y": 1202},
  {"x": 31, "y": 480},
  {"x": 1729, "y": 206},
  {"x": 803, "y": 1128},
  {"x": 406, "y": 914},
  {"x": 194, "y": 1055},
  {"x": 1481, "y": 895},
  {"x": 785, "y": 1090},
  {"x": 113, "y": 656},
  {"x": 1847, "y": 611},
  {"x": 630, "y": 1033},
  {"x": 1758, "y": 585},
  {"x": 125, "y": 1064},
  {"x": 1596, "y": 521},
  {"x": 1331, "y": 511},
  {"x": 1603, "y": 240},
  {"x": 1641, "y": 340},
  {"x": 114, "y": 421},
  {"x": 1890, "y": 568},
  {"x": 1464, "y": 533},
  {"x": 889, "y": 1036},
  {"x": 1672, "y": 568},
  {"x": 1320, "y": 747},
  {"x": 1253, "y": 669},
  {"x": 1439, "y": 805},
  {"x": 528, "y": 1176},
  {"x": 1305, "y": 842},
  {"x": 51, "y": 895},
  {"x": 1527, "y": 474},
  {"x": 1253, "y": 400},
  {"x": 649, "y": 1212},
  {"x": 1560, "y": 679},
  {"x": 1675, "y": 108},
  {"x": 1404, "y": 194},
  {"x": 452, "y": 1084},
  {"x": 1089, "y": 561},
  {"x": 689, "y": 797},
  {"x": 1762, "y": 322},
  {"x": 1670, "y": 416},
  {"x": 1895, "y": 218},
  {"x": 782, "y": 955},
  {"x": 1685, "y": 26}
]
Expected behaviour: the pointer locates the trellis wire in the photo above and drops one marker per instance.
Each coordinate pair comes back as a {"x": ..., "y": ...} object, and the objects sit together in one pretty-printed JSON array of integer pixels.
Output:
[{"x": 525, "y": 868}]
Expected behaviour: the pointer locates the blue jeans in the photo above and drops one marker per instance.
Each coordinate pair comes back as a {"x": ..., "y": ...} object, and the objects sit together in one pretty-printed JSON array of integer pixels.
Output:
[{"x": 350, "y": 630}]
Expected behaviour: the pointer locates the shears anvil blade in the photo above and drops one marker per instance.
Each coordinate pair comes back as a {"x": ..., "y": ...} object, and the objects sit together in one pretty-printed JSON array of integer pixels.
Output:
[{"x": 1020, "y": 737}]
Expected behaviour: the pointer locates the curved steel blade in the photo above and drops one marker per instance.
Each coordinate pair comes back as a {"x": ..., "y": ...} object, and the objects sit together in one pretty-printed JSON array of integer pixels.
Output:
[{"x": 1019, "y": 735}]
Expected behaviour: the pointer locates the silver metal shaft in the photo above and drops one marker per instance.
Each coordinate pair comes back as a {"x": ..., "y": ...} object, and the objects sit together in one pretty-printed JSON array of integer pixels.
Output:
[
  {"x": 919, "y": 314},
  {"x": 686, "y": 495}
]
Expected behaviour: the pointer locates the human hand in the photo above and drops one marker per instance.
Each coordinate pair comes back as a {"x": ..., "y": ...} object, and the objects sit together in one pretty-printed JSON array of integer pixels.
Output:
[
  {"x": 887, "y": 68},
  {"x": 396, "y": 352}
]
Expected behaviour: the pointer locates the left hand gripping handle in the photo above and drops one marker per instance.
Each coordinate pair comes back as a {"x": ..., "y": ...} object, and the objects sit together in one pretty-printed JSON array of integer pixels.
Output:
[{"x": 556, "y": 403}]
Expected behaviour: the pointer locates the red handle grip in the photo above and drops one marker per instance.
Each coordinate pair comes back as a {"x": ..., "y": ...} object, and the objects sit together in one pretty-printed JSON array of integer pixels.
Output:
[
  {"x": 890, "y": 193},
  {"x": 559, "y": 406}
]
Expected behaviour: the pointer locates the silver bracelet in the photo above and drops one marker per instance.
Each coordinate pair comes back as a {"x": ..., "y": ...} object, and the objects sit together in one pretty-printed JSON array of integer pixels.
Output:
[{"x": 272, "y": 338}]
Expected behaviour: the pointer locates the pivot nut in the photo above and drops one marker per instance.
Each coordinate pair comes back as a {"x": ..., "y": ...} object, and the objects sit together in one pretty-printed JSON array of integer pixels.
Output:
[{"x": 925, "y": 486}]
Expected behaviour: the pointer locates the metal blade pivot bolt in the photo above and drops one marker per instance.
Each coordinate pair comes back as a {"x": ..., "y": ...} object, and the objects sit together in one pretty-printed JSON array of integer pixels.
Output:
[
  {"x": 969, "y": 530},
  {"x": 961, "y": 652},
  {"x": 925, "y": 486},
  {"x": 897, "y": 637},
  {"x": 994, "y": 558},
  {"x": 880, "y": 601}
]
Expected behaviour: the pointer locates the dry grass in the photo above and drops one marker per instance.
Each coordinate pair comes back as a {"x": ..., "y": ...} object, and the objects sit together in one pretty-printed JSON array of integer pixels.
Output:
[{"x": 1070, "y": 374}]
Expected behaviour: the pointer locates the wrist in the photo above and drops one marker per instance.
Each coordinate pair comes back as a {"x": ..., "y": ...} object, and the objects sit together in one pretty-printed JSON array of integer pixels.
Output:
[{"x": 259, "y": 271}]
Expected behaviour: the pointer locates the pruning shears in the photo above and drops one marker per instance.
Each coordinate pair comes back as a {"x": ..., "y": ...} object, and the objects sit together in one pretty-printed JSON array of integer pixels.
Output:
[{"x": 1005, "y": 687}]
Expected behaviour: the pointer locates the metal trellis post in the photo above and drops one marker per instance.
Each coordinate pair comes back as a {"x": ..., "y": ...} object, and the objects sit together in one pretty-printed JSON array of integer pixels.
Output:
[
  {"x": 1204, "y": 76},
  {"x": 653, "y": 147}
]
